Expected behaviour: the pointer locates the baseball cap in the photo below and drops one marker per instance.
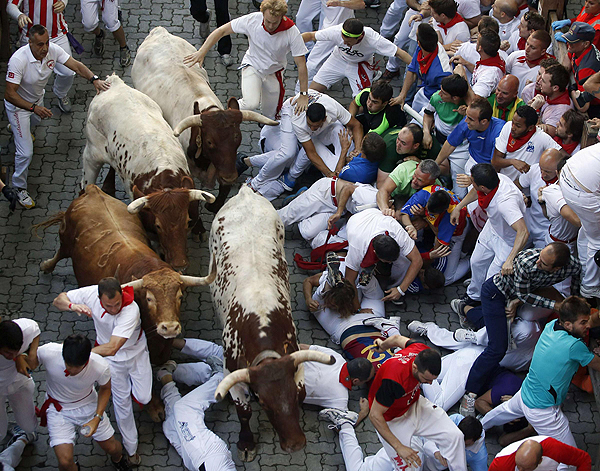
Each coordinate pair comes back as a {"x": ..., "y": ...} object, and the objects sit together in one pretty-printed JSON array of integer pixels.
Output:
[{"x": 580, "y": 31}]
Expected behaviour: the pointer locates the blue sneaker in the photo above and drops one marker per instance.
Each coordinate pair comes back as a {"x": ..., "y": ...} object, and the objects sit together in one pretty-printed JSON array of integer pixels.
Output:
[
  {"x": 289, "y": 199},
  {"x": 287, "y": 182}
]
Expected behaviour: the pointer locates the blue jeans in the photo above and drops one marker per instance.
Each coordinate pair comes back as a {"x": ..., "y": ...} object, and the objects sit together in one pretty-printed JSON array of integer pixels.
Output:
[{"x": 492, "y": 307}]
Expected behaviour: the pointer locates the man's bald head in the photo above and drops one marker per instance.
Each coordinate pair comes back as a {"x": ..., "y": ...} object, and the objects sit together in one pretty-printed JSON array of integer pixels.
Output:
[
  {"x": 507, "y": 90},
  {"x": 508, "y": 7},
  {"x": 549, "y": 163},
  {"x": 529, "y": 455}
]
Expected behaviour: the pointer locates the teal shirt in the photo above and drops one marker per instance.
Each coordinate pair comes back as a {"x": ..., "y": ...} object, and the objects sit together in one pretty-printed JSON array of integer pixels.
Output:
[{"x": 556, "y": 359}]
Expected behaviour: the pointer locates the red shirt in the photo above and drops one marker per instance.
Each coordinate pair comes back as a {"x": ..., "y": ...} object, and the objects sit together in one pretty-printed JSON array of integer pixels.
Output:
[{"x": 394, "y": 385}]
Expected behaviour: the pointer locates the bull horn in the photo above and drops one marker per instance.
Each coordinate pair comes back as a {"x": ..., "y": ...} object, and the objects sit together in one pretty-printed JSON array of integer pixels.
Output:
[
  {"x": 190, "y": 121},
  {"x": 259, "y": 118},
  {"x": 200, "y": 281},
  {"x": 135, "y": 284},
  {"x": 137, "y": 205},
  {"x": 311, "y": 355},
  {"x": 238, "y": 376},
  {"x": 200, "y": 195}
]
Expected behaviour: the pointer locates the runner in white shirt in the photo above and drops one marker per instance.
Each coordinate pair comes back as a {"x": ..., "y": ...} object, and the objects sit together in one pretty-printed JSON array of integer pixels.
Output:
[
  {"x": 19, "y": 341},
  {"x": 506, "y": 13},
  {"x": 525, "y": 64},
  {"x": 353, "y": 55},
  {"x": 50, "y": 15},
  {"x": 315, "y": 129},
  {"x": 529, "y": 22},
  {"x": 449, "y": 25},
  {"x": 29, "y": 69},
  {"x": 504, "y": 234},
  {"x": 271, "y": 35},
  {"x": 72, "y": 401},
  {"x": 373, "y": 239},
  {"x": 119, "y": 338},
  {"x": 521, "y": 144},
  {"x": 564, "y": 223}
]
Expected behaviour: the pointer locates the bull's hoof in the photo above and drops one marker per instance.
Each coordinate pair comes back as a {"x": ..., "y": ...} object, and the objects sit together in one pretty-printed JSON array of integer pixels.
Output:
[
  {"x": 247, "y": 455},
  {"x": 46, "y": 266},
  {"x": 213, "y": 208}
]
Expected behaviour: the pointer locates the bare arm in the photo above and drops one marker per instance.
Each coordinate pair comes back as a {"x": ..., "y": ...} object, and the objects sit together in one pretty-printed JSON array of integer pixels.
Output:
[
  {"x": 520, "y": 241},
  {"x": 357, "y": 133},
  {"x": 592, "y": 85},
  {"x": 354, "y": 108},
  {"x": 11, "y": 95},
  {"x": 416, "y": 262},
  {"x": 32, "y": 358},
  {"x": 445, "y": 152},
  {"x": 428, "y": 125},
  {"x": 351, "y": 4},
  {"x": 63, "y": 303},
  {"x": 111, "y": 348},
  {"x": 395, "y": 341},
  {"x": 567, "y": 213},
  {"x": 81, "y": 69},
  {"x": 213, "y": 38},
  {"x": 408, "y": 81},
  {"x": 309, "y": 36},
  {"x": 383, "y": 196},
  {"x": 302, "y": 101},
  {"x": 316, "y": 160},
  {"x": 499, "y": 161},
  {"x": 103, "y": 398},
  {"x": 403, "y": 56},
  {"x": 307, "y": 286},
  {"x": 595, "y": 363}
]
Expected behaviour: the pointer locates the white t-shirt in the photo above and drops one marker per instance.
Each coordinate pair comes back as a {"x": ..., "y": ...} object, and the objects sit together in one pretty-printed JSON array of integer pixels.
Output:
[
  {"x": 468, "y": 51},
  {"x": 537, "y": 223},
  {"x": 267, "y": 53},
  {"x": 364, "y": 226},
  {"x": 521, "y": 70},
  {"x": 8, "y": 370},
  {"x": 585, "y": 167},
  {"x": 560, "y": 228},
  {"x": 31, "y": 74},
  {"x": 126, "y": 324},
  {"x": 529, "y": 152},
  {"x": 72, "y": 391},
  {"x": 506, "y": 208},
  {"x": 371, "y": 43},
  {"x": 508, "y": 28},
  {"x": 458, "y": 31},
  {"x": 333, "y": 110},
  {"x": 321, "y": 381},
  {"x": 468, "y": 8},
  {"x": 485, "y": 80}
]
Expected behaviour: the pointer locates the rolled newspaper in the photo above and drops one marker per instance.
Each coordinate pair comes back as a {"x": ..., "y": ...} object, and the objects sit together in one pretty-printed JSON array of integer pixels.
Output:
[{"x": 413, "y": 114}]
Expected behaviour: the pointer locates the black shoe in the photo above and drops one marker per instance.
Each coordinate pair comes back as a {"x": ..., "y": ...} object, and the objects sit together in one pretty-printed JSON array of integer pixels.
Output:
[
  {"x": 240, "y": 165},
  {"x": 389, "y": 75},
  {"x": 98, "y": 47},
  {"x": 123, "y": 464},
  {"x": 470, "y": 301}
]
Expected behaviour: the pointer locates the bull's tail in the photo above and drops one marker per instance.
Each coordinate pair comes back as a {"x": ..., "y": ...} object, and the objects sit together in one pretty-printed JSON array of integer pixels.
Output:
[{"x": 58, "y": 218}]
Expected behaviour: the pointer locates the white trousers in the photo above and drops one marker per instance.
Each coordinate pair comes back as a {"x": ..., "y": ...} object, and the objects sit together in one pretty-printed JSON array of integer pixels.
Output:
[
  {"x": 458, "y": 159},
  {"x": 392, "y": 18},
  {"x": 587, "y": 208},
  {"x": 130, "y": 377},
  {"x": 317, "y": 57},
  {"x": 457, "y": 265},
  {"x": 196, "y": 373},
  {"x": 90, "y": 14},
  {"x": 11, "y": 456},
  {"x": 259, "y": 92},
  {"x": 426, "y": 420},
  {"x": 354, "y": 458},
  {"x": 185, "y": 428},
  {"x": 335, "y": 69},
  {"x": 20, "y": 397},
  {"x": 317, "y": 199},
  {"x": 22, "y": 122},
  {"x": 487, "y": 259},
  {"x": 420, "y": 101},
  {"x": 401, "y": 40}
]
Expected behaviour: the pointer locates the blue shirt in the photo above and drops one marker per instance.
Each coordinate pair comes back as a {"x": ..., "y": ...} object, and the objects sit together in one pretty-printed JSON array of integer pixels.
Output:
[
  {"x": 477, "y": 461},
  {"x": 481, "y": 144},
  {"x": 556, "y": 358},
  {"x": 360, "y": 170},
  {"x": 439, "y": 68}
]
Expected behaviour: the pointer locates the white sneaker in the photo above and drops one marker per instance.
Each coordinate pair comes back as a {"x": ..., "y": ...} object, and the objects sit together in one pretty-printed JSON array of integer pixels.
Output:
[
  {"x": 338, "y": 417},
  {"x": 418, "y": 327},
  {"x": 467, "y": 282},
  {"x": 382, "y": 324},
  {"x": 467, "y": 405},
  {"x": 19, "y": 434},
  {"x": 205, "y": 27},
  {"x": 167, "y": 369},
  {"x": 24, "y": 199},
  {"x": 227, "y": 60},
  {"x": 465, "y": 335}
]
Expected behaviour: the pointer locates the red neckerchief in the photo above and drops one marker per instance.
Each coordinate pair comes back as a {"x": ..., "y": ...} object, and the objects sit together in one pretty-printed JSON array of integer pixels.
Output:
[
  {"x": 485, "y": 200},
  {"x": 569, "y": 148},
  {"x": 495, "y": 61},
  {"x": 285, "y": 24},
  {"x": 521, "y": 44},
  {"x": 562, "y": 99},
  {"x": 515, "y": 144},
  {"x": 370, "y": 257},
  {"x": 425, "y": 61},
  {"x": 532, "y": 64},
  {"x": 577, "y": 60},
  {"x": 69, "y": 374},
  {"x": 550, "y": 182},
  {"x": 454, "y": 21},
  {"x": 345, "y": 377},
  {"x": 126, "y": 299}
]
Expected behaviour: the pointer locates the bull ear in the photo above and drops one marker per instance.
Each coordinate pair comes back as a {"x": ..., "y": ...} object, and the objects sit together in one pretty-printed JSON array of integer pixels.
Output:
[
  {"x": 136, "y": 192},
  {"x": 232, "y": 103},
  {"x": 187, "y": 182}
]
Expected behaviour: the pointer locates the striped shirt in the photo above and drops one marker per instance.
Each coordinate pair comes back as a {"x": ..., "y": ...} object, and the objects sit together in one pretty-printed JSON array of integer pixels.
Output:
[
  {"x": 527, "y": 277},
  {"x": 41, "y": 13}
]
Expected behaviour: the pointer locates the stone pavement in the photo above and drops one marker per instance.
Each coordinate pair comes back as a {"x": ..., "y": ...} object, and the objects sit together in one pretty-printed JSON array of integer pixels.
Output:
[{"x": 54, "y": 176}]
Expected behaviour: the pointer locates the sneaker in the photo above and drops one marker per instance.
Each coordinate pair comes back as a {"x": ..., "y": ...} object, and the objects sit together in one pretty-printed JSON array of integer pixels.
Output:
[
  {"x": 378, "y": 74},
  {"x": 418, "y": 327},
  {"x": 470, "y": 301},
  {"x": 125, "y": 56},
  {"x": 98, "y": 46},
  {"x": 290, "y": 198},
  {"x": 467, "y": 282},
  {"x": 382, "y": 324},
  {"x": 458, "y": 306},
  {"x": 123, "y": 464},
  {"x": 389, "y": 75},
  {"x": 334, "y": 275},
  {"x": 24, "y": 199},
  {"x": 64, "y": 104},
  {"x": 465, "y": 335},
  {"x": 374, "y": 4},
  {"x": 215, "y": 363},
  {"x": 19, "y": 434},
  {"x": 134, "y": 460},
  {"x": 167, "y": 369},
  {"x": 226, "y": 59},
  {"x": 205, "y": 27},
  {"x": 120, "y": 15},
  {"x": 467, "y": 405},
  {"x": 240, "y": 165},
  {"x": 338, "y": 417},
  {"x": 287, "y": 183}
]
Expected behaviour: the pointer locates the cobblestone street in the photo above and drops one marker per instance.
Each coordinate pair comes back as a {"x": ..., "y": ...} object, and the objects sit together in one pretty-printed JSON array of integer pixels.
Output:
[{"x": 54, "y": 181}]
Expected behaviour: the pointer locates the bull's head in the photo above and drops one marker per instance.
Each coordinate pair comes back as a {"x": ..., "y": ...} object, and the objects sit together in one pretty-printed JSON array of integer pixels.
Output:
[
  {"x": 158, "y": 294},
  {"x": 216, "y": 136},
  {"x": 275, "y": 383},
  {"x": 167, "y": 211}
]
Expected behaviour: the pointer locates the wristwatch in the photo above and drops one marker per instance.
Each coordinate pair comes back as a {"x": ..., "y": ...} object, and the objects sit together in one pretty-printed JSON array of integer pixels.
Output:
[
  {"x": 303, "y": 93},
  {"x": 99, "y": 416},
  {"x": 94, "y": 78}
]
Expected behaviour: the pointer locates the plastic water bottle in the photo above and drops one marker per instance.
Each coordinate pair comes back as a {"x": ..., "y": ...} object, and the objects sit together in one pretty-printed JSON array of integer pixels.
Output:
[{"x": 85, "y": 430}]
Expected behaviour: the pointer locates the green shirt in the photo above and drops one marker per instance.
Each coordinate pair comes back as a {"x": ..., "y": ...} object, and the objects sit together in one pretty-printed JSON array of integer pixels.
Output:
[
  {"x": 446, "y": 110},
  {"x": 402, "y": 176},
  {"x": 504, "y": 113},
  {"x": 392, "y": 158}
]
